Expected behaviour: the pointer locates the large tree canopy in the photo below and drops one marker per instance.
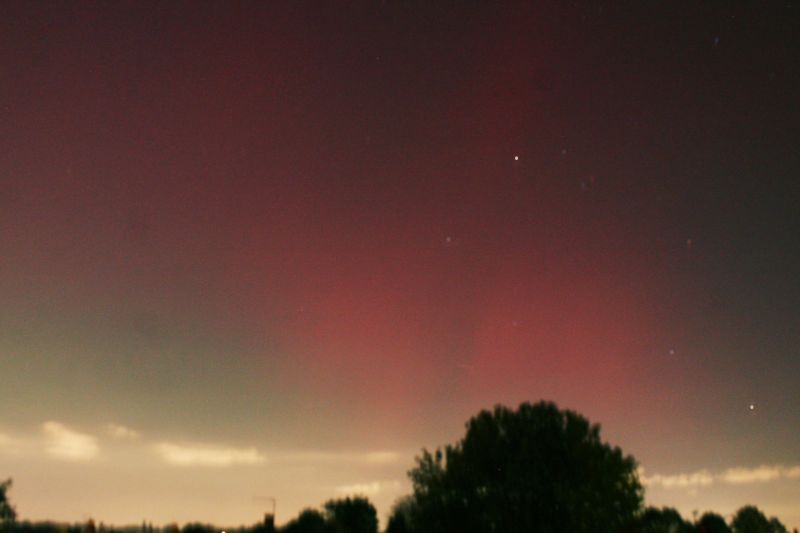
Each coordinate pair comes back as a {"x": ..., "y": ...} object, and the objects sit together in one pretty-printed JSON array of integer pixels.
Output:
[{"x": 534, "y": 469}]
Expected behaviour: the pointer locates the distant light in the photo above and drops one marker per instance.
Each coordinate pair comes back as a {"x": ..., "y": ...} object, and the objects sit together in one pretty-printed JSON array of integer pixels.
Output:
[
  {"x": 516, "y": 158},
  {"x": 752, "y": 407}
]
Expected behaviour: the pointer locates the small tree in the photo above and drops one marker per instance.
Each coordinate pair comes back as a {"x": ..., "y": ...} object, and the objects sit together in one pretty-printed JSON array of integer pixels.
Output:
[
  {"x": 8, "y": 515},
  {"x": 197, "y": 527},
  {"x": 665, "y": 520},
  {"x": 352, "y": 515},
  {"x": 777, "y": 526},
  {"x": 749, "y": 519},
  {"x": 309, "y": 521},
  {"x": 712, "y": 523}
]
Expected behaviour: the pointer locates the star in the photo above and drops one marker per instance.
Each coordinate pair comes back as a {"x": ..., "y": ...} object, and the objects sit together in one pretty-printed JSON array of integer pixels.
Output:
[
  {"x": 752, "y": 407},
  {"x": 516, "y": 158}
]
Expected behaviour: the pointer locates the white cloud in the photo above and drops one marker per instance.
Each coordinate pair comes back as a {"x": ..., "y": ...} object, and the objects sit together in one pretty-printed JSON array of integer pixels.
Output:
[
  {"x": 311, "y": 456},
  {"x": 701, "y": 478},
  {"x": 792, "y": 472},
  {"x": 205, "y": 455},
  {"x": 64, "y": 443},
  {"x": 368, "y": 489},
  {"x": 761, "y": 474},
  {"x": 118, "y": 431},
  {"x": 731, "y": 476}
]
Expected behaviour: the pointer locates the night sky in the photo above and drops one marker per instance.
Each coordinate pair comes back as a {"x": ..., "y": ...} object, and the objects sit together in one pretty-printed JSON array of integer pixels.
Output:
[{"x": 273, "y": 249}]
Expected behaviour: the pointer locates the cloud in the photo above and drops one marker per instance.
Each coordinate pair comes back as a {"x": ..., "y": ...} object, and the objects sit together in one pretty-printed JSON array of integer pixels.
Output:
[
  {"x": 370, "y": 458},
  {"x": 368, "y": 489},
  {"x": 64, "y": 443},
  {"x": 701, "y": 478},
  {"x": 118, "y": 431},
  {"x": 205, "y": 455},
  {"x": 792, "y": 472},
  {"x": 731, "y": 476},
  {"x": 761, "y": 474}
]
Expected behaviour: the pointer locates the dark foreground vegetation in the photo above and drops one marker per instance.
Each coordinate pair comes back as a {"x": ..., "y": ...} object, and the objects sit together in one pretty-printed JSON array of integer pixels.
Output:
[{"x": 534, "y": 469}]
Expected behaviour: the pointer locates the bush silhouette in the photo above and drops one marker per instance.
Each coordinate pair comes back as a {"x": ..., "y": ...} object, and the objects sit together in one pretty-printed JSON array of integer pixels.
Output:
[
  {"x": 749, "y": 519},
  {"x": 665, "y": 520},
  {"x": 712, "y": 523},
  {"x": 308, "y": 521},
  {"x": 401, "y": 516},
  {"x": 352, "y": 515}
]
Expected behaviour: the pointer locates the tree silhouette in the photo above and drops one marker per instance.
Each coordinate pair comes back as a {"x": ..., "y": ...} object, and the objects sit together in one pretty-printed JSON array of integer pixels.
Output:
[
  {"x": 401, "y": 516},
  {"x": 777, "y": 526},
  {"x": 7, "y": 512},
  {"x": 308, "y": 521},
  {"x": 534, "y": 469},
  {"x": 665, "y": 520},
  {"x": 397, "y": 524},
  {"x": 749, "y": 519},
  {"x": 712, "y": 523},
  {"x": 197, "y": 527},
  {"x": 352, "y": 515}
]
